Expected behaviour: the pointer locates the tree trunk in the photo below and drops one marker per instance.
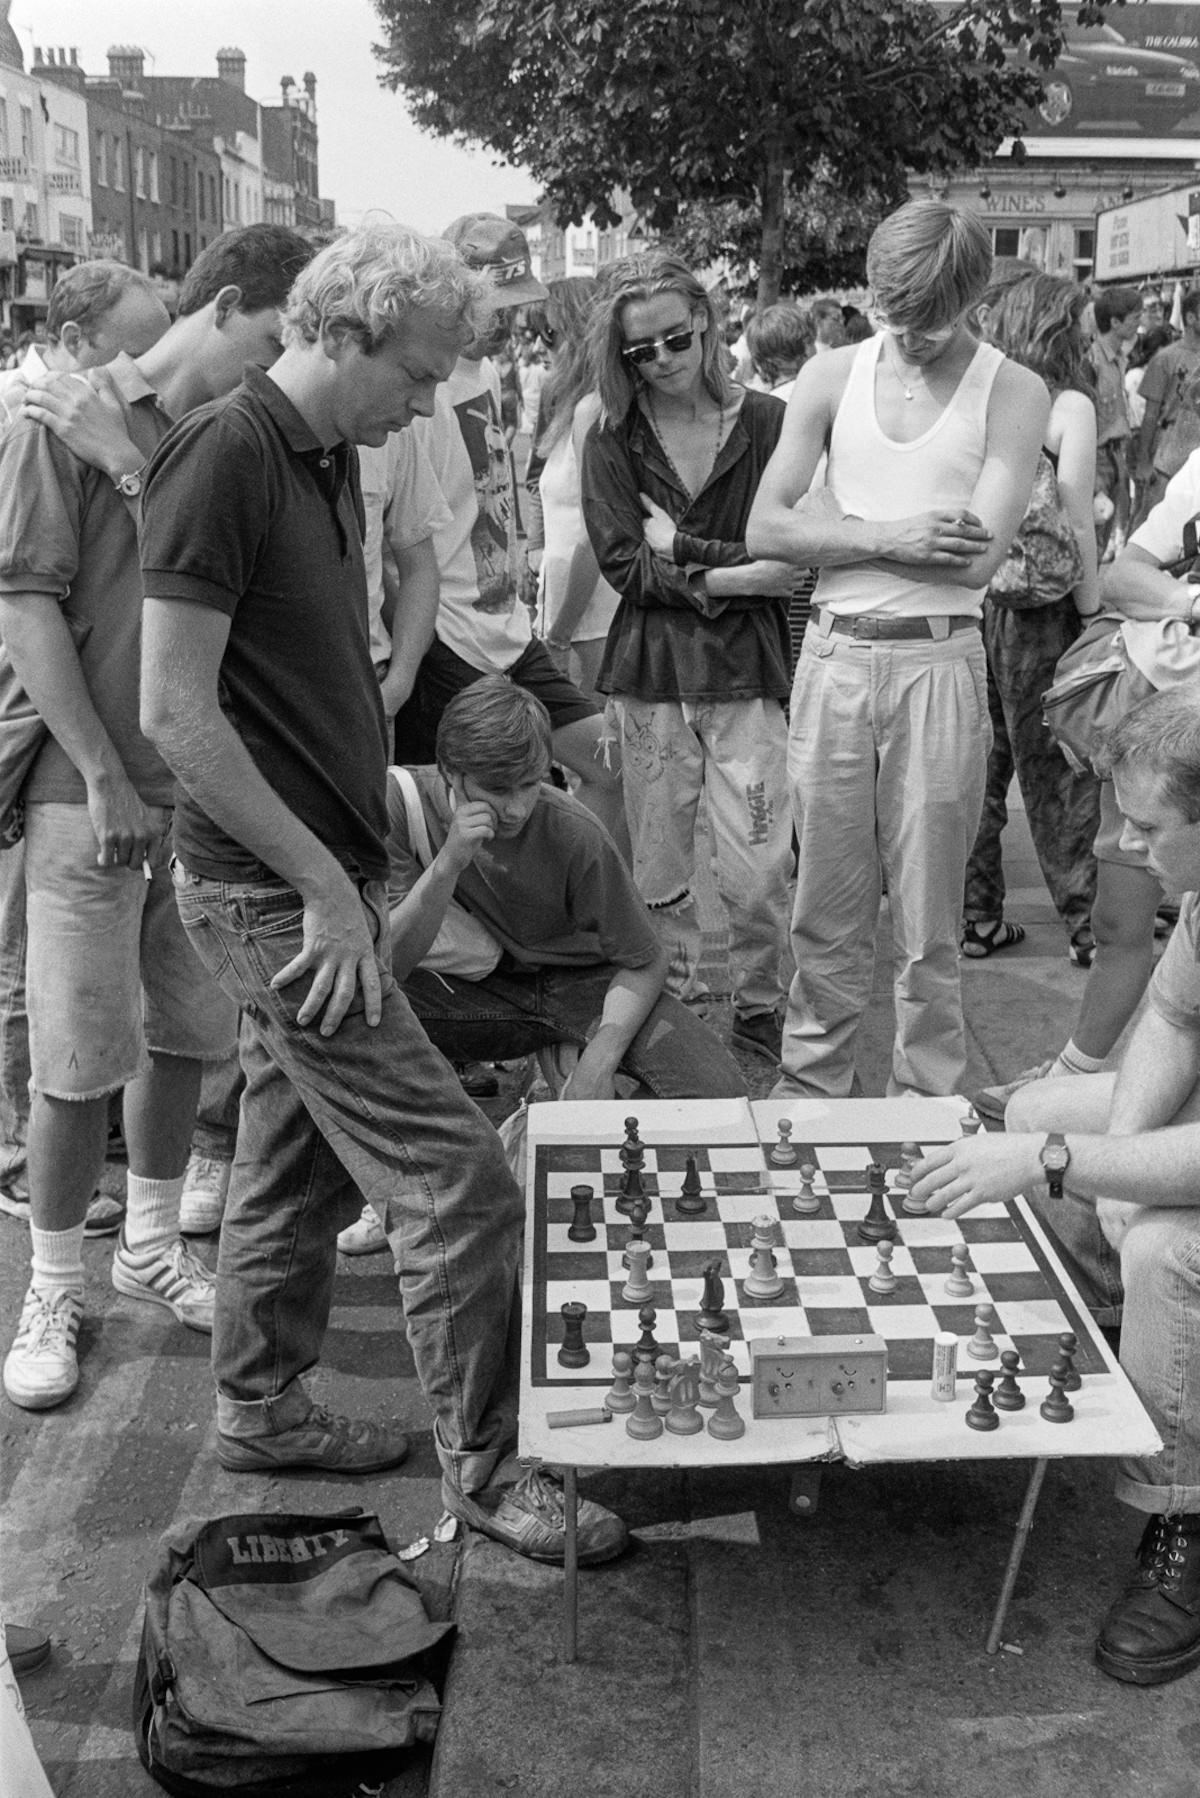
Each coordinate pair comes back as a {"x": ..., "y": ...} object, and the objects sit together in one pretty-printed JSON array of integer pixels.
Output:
[{"x": 774, "y": 188}]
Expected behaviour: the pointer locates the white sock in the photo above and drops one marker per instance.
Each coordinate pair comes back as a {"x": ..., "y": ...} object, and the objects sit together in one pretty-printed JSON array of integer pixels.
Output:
[
  {"x": 152, "y": 1212},
  {"x": 1073, "y": 1061},
  {"x": 57, "y": 1259}
]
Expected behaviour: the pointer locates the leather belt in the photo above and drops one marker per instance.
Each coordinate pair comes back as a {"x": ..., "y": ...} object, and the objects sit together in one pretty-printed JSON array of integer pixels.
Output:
[{"x": 871, "y": 628}]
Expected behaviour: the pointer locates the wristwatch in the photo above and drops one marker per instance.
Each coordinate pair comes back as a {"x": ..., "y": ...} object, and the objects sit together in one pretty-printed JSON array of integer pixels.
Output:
[
  {"x": 1055, "y": 1158},
  {"x": 129, "y": 485}
]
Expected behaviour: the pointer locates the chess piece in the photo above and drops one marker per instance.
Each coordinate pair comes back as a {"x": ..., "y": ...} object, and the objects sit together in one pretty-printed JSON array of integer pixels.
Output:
[
  {"x": 574, "y": 1351},
  {"x": 710, "y": 1315},
  {"x": 632, "y": 1152},
  {"x": 783, "y": 1154},
  {"x": 582, "y": 1228},
  {"x": 637, "y": 1288},
  {"x": 638, "y": 1213},
  {"x": 959, "y": 1283},
  {"x": 620, "y": 1398},
  {"x": 981, "y": 1347},
  {"x": 972, "y": 1123},
  {"x": 878, "y": 1224},
  {"x": 691, "y": 1202},
  {"x": 806, "y": 1202},
  {"x": 632, "y": 1190},
  {"x": 727, "y": 1422},
  {"x": 646, "y": 1348},
  {"x": 883, "y": 1279},
  {"x": 982, "y": 1414},
  {"x": 664, "y": 1372},
  {"x": 712, "y": 1358},
  {"x": 1056, "y": 1407},
  {"x": 1068, "y": 1342},
  {"x": 764, "y": 1281},
  {"x": 910, "y": 1154},
  {"x": 683, "y": 1419},
  {"x": 643, "y": 1422},
  {"x": 1008, "y": 1395}
]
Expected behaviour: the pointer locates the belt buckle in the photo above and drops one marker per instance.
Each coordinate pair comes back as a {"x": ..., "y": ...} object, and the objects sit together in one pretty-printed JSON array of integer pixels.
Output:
[{"x": 865, "y": 628}]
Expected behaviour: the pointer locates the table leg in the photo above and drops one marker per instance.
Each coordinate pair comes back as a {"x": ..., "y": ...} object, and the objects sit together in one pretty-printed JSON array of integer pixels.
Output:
[
  {"x": 571, "y": 1563},
  {"x": 806, "y": 1489},
  {"x": 1024, "y": 1525}
]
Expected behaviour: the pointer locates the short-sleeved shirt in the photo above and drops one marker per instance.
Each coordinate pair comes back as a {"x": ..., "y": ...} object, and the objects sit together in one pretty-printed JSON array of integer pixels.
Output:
[
  {"x": 1161, "y": 532},
  {"x": 555, "y": 895},
  {"x": 1112, "y": 410},
  {"x": 481, "y": 615},
  {"x": 66, "y": 531},
  {"x": 403, "y": 504},
  {"x": 1174, "y": 991},
  {"x": 1166, "y": 383},
  {"x": 246, "y": 511}
]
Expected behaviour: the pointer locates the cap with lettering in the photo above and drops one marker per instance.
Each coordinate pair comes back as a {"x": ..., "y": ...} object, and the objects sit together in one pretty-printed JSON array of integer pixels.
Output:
[{"x": 484, "y": 240}]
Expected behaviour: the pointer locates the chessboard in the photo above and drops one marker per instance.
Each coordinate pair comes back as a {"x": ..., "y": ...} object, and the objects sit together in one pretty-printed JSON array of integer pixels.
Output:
[{"x": 826, "y": 1270}]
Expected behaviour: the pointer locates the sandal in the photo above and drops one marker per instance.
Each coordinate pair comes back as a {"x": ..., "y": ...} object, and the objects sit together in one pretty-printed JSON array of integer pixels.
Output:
[{"x": 977, "y": 943}]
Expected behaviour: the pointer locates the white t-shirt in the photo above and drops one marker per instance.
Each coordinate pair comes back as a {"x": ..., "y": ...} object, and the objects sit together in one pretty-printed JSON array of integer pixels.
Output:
[
  {"x": 404, "y": 504},
  {"x": 1161, "y": 533},
  {"x": 481, "y": 615}
]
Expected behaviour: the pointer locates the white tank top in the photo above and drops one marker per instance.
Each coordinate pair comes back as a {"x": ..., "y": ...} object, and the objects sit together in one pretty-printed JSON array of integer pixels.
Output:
[{"x": 873, "y": 476}]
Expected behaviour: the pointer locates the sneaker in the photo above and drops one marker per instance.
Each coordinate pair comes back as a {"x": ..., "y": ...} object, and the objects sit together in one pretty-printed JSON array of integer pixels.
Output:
[
  {"x": 992, "y": 1101},
  {"x": 171, "y": 1277},
  {"x": 337, "y": 1444},
  {"x": 105, "y": 1215},
  {"x": 205, "y": 1189},
  {"x": 761, "y": 1034},
  {"x": 365, "y": 1236},
  {"x": 41, "y": 1369},
  {"x": 530, "y": 1518}
]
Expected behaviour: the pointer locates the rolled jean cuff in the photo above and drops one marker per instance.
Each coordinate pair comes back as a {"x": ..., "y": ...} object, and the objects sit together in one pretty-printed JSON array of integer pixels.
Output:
[
  {"x": 1159, "y": 1501},
  {"x": 467, "y": 1470},
  {"x": 247, "y": 1418}
]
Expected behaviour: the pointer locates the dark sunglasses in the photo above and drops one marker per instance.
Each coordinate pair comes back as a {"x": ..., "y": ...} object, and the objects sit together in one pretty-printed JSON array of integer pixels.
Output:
[
  {"x": 676, "y": 342},
  {"x": 548, "y": 335}
]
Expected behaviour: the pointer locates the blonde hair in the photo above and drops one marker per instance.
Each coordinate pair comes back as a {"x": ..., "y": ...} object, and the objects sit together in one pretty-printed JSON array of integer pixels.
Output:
[
  {"x": 629, "y": 282},
  {"x": 367, "y": 282},
  {"x": 927, "y": 263}
]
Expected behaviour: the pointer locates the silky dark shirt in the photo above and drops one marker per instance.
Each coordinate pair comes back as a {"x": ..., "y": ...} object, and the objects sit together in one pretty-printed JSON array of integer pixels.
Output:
[
  {"x": 244, "y": 510},
  {"x": 668, "y": 640}
]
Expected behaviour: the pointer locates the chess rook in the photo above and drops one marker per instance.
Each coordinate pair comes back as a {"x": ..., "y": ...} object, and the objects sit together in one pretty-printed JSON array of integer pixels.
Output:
[
  {"x": 574, "y": 1351},
  {"x": 582, "y": 1228}
]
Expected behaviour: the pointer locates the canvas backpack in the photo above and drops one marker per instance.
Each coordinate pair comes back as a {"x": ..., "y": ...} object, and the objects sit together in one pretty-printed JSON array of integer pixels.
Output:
[{"x": 283, "y": 1656}]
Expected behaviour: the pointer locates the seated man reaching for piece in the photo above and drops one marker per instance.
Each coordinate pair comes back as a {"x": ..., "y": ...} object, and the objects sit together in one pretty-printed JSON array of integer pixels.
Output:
[
  {"x": 1124, "y": 1163},
  {"x": 577, "y": 958}
]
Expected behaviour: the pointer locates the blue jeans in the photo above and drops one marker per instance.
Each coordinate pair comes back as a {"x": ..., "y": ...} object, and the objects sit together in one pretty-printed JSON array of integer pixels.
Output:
[
  {"x": 370, "y": 1112},
  {"x": 674, "y": 1055},
  {"x": 1148, "y": 1282}
]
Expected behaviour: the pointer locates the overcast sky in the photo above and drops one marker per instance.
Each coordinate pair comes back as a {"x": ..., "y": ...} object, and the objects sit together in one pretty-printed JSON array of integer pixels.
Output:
[{"x": 371, "y": 154}]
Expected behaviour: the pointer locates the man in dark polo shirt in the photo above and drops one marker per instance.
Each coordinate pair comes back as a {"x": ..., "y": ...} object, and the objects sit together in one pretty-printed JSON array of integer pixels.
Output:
[{"x": 259, "y": 690}]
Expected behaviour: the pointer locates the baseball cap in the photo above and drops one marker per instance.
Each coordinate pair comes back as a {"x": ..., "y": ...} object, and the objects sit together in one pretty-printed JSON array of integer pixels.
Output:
[{"x": 484, "y": 240}]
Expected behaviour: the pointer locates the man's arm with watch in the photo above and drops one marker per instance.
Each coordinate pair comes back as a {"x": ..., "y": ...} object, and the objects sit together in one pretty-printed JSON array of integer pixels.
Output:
[
  {"x": 1140, "y": 588},
  {"x": 1142, "y": 1159},
  {"x": 85, "y": 413}
]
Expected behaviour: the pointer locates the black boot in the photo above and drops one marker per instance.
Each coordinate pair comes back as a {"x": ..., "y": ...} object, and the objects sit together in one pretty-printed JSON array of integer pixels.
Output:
[{"x": 1152, "y": 1633}]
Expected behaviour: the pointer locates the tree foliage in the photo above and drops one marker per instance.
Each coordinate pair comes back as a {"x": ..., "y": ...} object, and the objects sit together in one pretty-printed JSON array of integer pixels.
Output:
[
  {"x": 825, "y": 234},
  {"x": 721, "y": 100}
]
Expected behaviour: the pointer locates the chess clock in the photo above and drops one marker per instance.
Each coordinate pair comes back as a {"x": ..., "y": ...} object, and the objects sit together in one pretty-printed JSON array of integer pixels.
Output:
[{"x": 818, "y": 1376}]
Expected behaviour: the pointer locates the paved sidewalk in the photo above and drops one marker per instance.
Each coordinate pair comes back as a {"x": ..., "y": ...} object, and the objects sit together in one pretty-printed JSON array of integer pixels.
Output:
[{"x": 737, "y": 1653}]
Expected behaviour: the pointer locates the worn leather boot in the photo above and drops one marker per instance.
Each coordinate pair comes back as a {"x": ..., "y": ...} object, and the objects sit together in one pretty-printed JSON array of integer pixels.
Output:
[{"x": 1152, "y": 1633}]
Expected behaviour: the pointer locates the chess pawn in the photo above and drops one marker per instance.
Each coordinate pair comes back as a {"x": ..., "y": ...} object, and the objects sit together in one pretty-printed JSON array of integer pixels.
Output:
[
  {"x": 664, "y": 1371},
  {"x": 727, "y": 1422},
  {"x": 982, "y": 1414},
  {"x": 806, "y": 1203},
  {"x": 764, "y": 1280},
  {"x": 959, "y": 1284},
  {"x": 646, "y": 1348},
  {"x": 910, "y": 1154},
  {"x": 883, "y": 1279},
  {"x": 972, "y": 1123},
  {"x": 637, "y": 1288},
  {"x": 620, "y": 1398},
  {"x": 1068, "y": 1342},
  {"x": 783, "y": 1154},
  {"x": 1008, "y": 1395},
  {"x": 1056, "y": 1407},
  {"x": 639, "y": 1211},
  {"x": 981, "y": 1347},
  {"x": 643, "y": 1422}
]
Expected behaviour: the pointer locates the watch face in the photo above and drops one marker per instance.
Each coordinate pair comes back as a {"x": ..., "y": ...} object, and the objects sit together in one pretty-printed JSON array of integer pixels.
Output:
[{"x": 1054, "y": 1158}]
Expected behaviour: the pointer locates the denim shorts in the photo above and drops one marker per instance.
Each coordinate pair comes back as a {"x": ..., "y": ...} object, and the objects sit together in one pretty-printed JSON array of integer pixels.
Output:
[{"x": 110, "y": 972}]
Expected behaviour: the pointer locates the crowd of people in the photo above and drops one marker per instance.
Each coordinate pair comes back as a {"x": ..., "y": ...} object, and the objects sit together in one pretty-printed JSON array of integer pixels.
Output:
[{"x": 327, "y": 803}]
